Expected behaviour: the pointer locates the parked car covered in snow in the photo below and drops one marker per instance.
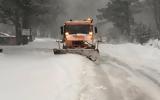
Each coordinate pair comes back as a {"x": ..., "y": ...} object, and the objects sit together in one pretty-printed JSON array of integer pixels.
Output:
[{"x": 6, "y": 39}]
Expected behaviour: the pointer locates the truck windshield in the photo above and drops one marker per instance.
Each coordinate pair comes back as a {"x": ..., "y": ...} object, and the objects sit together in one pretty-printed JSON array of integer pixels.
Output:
[{"x": 74, "y": 29}]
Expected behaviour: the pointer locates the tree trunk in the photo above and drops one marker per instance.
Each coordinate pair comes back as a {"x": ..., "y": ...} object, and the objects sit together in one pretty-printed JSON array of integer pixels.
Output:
[
  {"x": 18, "y": 30},
  {"x": 156, "y": 8},
  {"x": 26, "y": 22}
]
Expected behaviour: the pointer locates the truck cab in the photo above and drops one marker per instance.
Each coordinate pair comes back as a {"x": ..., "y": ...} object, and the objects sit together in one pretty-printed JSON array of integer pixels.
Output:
[{"x": 78, "y": 33}]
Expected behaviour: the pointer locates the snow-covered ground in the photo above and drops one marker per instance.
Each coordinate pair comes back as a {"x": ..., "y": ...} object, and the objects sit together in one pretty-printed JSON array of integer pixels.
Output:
[
  {"x": 125, "y": 72},
  {"x": 155, "y": 43}
]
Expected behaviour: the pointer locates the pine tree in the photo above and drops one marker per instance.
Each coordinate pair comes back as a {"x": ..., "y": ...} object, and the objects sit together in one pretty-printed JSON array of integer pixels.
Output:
[
  {"x": 120, "y": 14},
  {"x": 26, "y": 13}
]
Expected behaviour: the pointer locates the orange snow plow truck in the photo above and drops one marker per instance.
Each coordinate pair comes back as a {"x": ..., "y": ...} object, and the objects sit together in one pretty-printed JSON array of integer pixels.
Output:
[{"x": 79, "y": 38}]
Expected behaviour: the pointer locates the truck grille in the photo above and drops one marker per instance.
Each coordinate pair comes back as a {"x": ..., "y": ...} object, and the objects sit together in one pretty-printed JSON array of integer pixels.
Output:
[{"x": 77, "y": 43}]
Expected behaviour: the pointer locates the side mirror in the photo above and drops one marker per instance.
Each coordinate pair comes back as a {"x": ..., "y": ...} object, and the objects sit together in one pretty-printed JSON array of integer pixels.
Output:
[
  {"x": 95, "y": 29},
  {"x": 62, "y": 32}
]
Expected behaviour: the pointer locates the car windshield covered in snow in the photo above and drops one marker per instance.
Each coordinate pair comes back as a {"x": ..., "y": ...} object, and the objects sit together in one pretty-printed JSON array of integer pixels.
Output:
[{"x": 74, "y": 29}]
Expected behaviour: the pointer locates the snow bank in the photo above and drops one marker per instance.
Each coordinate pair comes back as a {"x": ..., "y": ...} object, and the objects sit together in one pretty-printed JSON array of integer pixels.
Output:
[
  {"x": 154, "y": 43},
  {"x": 133, "y": 54}
]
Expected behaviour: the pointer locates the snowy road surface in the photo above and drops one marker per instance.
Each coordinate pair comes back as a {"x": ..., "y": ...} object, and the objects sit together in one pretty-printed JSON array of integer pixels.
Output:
[{"x": 125, "y": 72}]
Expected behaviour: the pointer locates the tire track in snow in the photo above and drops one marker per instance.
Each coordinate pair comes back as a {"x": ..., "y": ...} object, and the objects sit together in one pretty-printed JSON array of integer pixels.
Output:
[
  {"x": 119, "y": 71},
  {"x": 95, "y": 84},
  {"x": 126, "y": 89},
  {"x": 134, "y": 71},
  {"x": 152, "y": 70},
  {"x": 149, "y": 77}
]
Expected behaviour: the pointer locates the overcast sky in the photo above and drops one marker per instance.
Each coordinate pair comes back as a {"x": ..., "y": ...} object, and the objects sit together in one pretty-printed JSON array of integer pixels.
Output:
[{"x": 78, "y": 9}]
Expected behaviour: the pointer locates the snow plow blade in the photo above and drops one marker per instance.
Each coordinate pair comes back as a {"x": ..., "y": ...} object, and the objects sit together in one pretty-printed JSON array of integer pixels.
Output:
[{"x": 92, "y": 54}]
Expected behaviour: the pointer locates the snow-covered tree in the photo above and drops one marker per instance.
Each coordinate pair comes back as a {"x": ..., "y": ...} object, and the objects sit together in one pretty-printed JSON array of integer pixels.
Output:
[
  {"x": 119, "y": 12},
  {"x": 27, "y": 13}
]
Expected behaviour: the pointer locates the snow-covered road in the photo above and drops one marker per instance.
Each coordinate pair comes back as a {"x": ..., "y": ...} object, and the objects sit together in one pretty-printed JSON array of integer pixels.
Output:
[{"x": 125, "y": 72}]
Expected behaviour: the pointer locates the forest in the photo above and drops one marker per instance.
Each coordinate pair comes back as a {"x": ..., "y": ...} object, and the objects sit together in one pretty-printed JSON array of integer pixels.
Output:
[{"x": 127, "y": 18}]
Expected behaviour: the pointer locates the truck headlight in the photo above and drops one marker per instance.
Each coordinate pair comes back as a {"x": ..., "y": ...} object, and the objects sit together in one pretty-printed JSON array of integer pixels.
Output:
[
  {"x": 67, "y": 33},
  {"x": 90, "y": 33}
]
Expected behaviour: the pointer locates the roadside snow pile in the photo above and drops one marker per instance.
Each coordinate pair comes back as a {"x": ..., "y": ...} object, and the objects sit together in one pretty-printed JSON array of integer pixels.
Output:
[
  {"x": 137, "y": 57},
  {"x": 154, "y": 43},
  {"x": 43, "y": 43}
]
